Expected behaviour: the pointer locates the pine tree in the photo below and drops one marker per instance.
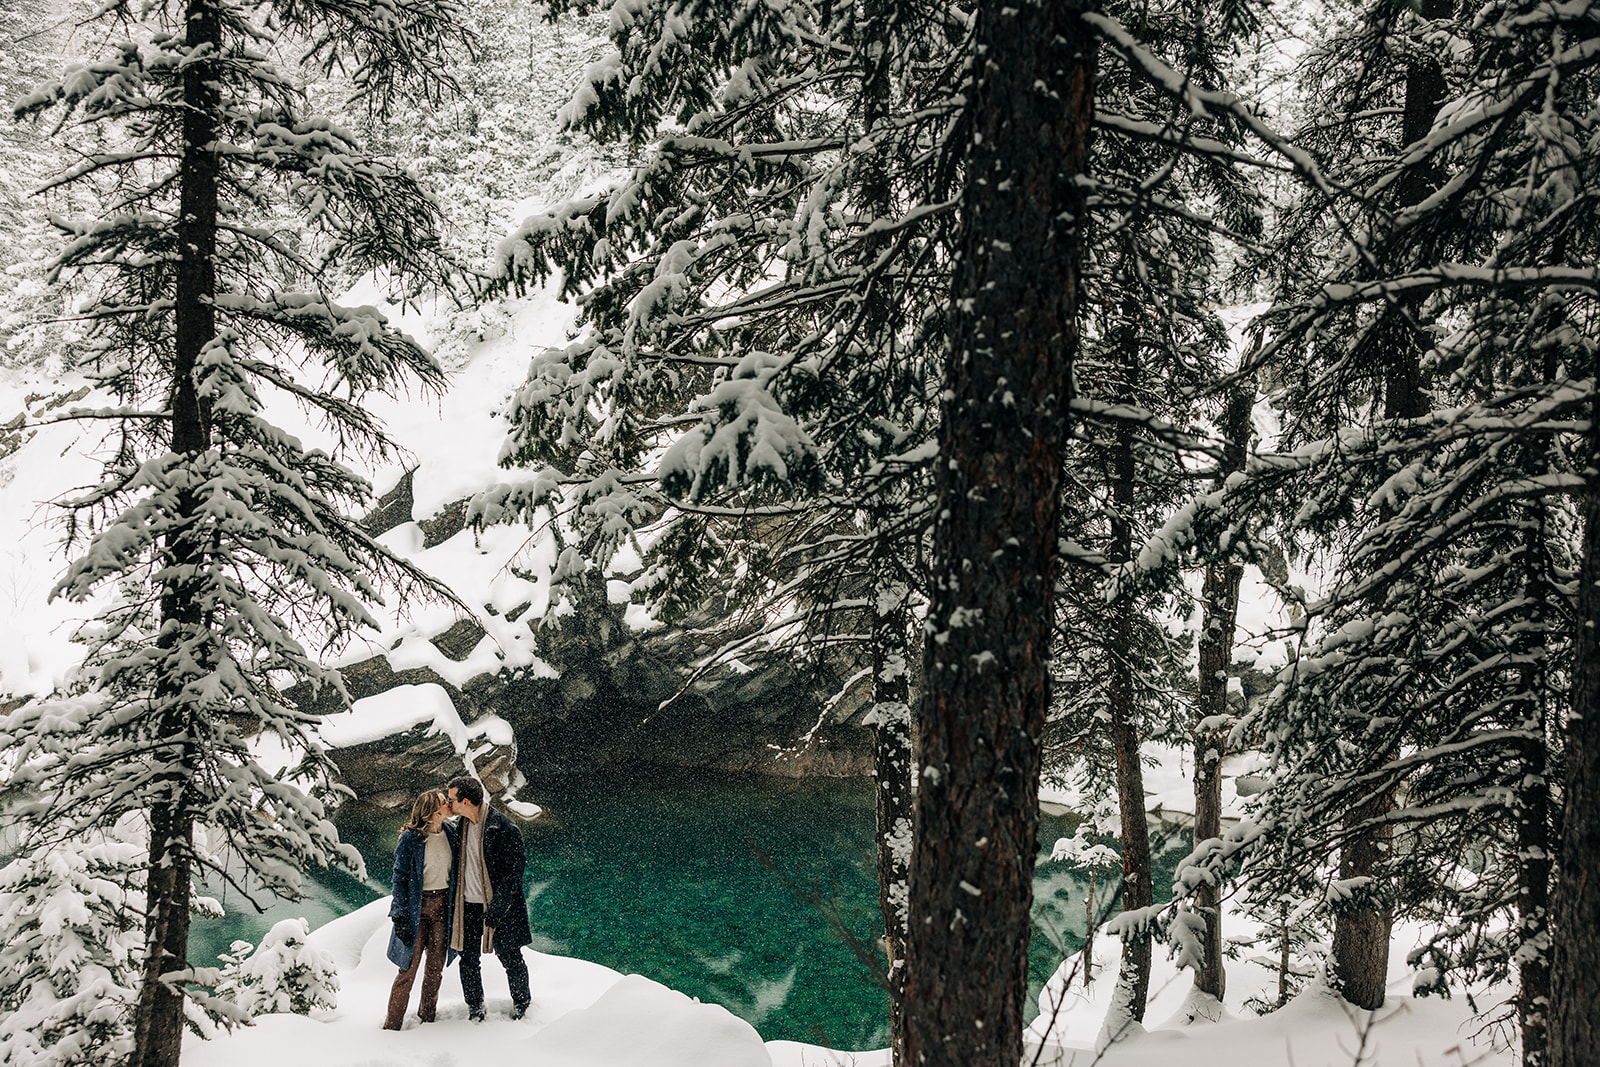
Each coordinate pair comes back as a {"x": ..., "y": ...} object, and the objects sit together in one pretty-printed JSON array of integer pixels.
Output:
[
  {"x": 750, "y": 401},
  {"x": 1220, "y": 602},
  {"x": 283, "y": 974},
  {"x": 70, "y": 961},
  {"x": 1161, "y": 207},
  {"x": 1574, "y": 1020},
  {"x": 32, "y": 329},
  {"x": 229, "y": 535},
  {"x": 1378, "y": 65},
  {"x": 1423, "y": 718},
  {"x": 496, "y": 143}
]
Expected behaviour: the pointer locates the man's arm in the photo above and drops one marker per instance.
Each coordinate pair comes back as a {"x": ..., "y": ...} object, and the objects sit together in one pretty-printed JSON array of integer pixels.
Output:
[{"x": 506, "y": 876}]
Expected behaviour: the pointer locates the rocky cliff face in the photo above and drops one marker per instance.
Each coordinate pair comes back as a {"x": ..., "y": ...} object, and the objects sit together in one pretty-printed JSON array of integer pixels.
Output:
[{"x": 620, "y": 696}]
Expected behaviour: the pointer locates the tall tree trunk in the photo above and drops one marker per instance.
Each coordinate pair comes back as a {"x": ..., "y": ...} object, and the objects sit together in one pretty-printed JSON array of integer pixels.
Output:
[
  {"x": 1361, "y": 935},
  {"x": 1220, "y": 595},
  {"x": 158, "y": 1015},
  {"x": 1574, "y": 1033},
  {"x": 158, "y": 1019},
  {"x": 195, "y": 286},
  {"x": 891, "y": 659},
  {"x": 1138, "y": 884},
  {"x": 1002, "y": 440},
  {"x": 1535, "y": 860},
  {"x": 890, "y": 720},
  {"x": 1533, "y": 883}
]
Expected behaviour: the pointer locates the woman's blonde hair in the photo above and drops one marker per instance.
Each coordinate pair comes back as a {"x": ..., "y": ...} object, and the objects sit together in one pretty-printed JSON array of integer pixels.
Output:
[{"x": 428, "y": 802}]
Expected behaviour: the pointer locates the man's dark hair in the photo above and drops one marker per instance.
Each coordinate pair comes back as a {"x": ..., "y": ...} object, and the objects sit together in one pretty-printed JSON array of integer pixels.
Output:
[{"x": 467, "y": 788}]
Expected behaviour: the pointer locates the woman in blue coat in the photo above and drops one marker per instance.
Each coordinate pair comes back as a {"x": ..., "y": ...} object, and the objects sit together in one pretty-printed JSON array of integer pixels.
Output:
[{"x": 424, "y": 897}]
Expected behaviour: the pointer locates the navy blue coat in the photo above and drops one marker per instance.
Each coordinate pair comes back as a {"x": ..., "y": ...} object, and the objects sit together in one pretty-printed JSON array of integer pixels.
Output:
[{"x": 407, "y": 899}]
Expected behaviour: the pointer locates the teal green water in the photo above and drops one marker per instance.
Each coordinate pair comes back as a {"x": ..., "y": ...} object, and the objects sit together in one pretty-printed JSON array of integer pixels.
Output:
[{"x": 657, "y": 874}]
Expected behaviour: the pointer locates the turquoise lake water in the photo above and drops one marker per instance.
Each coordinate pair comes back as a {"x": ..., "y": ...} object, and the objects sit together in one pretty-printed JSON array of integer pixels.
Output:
[{"x": 656, "y": 874}]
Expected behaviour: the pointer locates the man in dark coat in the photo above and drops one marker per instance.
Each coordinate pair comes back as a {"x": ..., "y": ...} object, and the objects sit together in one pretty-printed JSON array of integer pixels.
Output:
[{"x": 491, "y": 912}]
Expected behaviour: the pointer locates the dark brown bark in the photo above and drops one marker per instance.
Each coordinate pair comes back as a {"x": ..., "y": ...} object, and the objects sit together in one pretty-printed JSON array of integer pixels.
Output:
[
  {"x": 1425, "y": 91},
  {"x": 1575, "y": 964},
  {"x": 890, "y": 622},
  {"x": 1138, "y": 884},
  {"x": 158, "y": 1015},
  {"x": 194, "y": 317},
  {"x": 158, "y": 1019},
  {"x": 1002, "y": 439},
  {"x": 1361, "y": 935},
  {"x": 1533, "y": 900},
  {"x": 891, "y": 770},
  {"x": 1284, "y": 945},
  {"x": 1535, "y": 860},
  {"x": 1220, "y": 596}
]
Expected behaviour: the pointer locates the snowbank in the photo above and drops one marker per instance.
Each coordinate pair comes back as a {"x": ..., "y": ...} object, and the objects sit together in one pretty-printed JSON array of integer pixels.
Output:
[
  {"x": 582, "y": 1015},
  {"x": 640, "y": 1023},
  {"x": 586, "y": 1015}
]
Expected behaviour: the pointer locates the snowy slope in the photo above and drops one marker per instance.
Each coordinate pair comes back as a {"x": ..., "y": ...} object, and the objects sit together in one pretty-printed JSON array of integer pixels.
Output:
[
  {"x": 585, "y": 1015},
  {"x": 452, "y": 440}
]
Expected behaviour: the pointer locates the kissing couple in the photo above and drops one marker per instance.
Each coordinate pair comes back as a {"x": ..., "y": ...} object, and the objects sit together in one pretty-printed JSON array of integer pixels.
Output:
[{"x": 457, "y": 884}]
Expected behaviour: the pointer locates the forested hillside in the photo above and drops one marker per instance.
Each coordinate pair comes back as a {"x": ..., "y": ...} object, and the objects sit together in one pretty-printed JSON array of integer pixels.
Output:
[{"x": 973, "y": 357}]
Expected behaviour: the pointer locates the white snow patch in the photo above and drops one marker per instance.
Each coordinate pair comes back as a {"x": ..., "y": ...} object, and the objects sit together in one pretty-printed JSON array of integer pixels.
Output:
[
  {"x": 399, "y": 709},
  {"x": 640, "y": 1023}
]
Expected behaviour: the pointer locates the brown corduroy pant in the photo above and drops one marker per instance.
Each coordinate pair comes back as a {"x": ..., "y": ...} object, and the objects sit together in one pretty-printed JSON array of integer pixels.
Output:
[{"x": 432, "y": 932}]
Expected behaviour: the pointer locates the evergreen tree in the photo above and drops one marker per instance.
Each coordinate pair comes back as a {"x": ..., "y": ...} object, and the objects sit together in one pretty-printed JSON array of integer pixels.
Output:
[
  {"x": 749, "y": 403},
  {"x": 32, "y": 314},
  {"x": 228, "y": 535},
  {"x": 497, "y": 144},
  {"x": 1378, "y": 65},
  {"x": 1161, "y": 206},
  {"x": 70, "y": 950},
  {"x": 283, "y": 974},
  {"x": 1212, "y": 721},
  {"x": 1420, "y": 727}
]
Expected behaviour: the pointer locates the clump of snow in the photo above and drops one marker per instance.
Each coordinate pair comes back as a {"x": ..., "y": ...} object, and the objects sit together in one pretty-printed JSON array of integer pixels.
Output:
[{"x": 396, "y": 710}]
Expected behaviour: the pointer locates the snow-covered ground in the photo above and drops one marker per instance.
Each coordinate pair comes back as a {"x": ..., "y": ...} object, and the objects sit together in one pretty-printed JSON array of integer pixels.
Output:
[{"x": 585, "y": 1015}]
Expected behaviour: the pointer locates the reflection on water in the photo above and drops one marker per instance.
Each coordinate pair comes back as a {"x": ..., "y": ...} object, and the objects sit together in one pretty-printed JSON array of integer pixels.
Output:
[
  {"x": 327, "y": 895},
  {"x": 656, "y": 874}
]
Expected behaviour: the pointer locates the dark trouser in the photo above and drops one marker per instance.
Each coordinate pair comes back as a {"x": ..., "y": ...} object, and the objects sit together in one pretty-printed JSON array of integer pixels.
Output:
[
  {"x": 432, "y": 933},
  {"x": 471, "y": 962}
]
